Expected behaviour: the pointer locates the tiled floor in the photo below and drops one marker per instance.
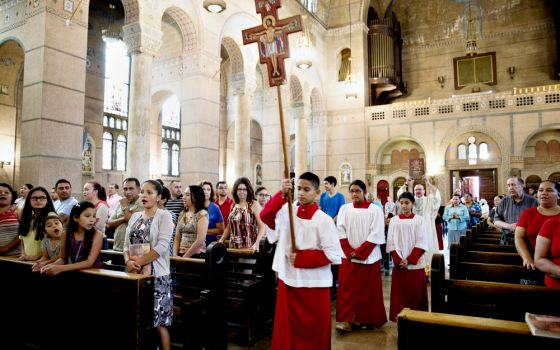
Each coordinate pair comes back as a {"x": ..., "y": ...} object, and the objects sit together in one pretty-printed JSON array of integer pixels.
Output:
[{"x": 383, "y": 338}]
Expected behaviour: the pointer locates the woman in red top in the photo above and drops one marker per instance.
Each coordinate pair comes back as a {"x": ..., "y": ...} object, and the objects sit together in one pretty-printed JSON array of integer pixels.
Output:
[
  {"x": 532, "y": 219},
  {"x": 547, "y": 252}
]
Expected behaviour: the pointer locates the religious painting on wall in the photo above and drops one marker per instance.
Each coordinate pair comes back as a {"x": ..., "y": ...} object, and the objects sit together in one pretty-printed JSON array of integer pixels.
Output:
[
  {"x": 345, "y": 173},
  {"x": 477, "y": 69},
  {"x": 87, "y": 155},
  {"x": 416, "y": 168}
]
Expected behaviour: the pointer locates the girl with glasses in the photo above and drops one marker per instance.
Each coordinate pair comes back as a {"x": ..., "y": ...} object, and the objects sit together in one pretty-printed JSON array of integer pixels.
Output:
[{"x": 37, "y": 205}]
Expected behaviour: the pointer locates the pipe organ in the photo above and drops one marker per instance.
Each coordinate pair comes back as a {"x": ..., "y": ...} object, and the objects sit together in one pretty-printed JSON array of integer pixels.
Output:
[{"x": 384, "y": 59}]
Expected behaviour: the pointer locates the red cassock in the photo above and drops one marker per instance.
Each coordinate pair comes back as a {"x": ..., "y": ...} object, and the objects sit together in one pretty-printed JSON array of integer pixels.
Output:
[
  {"x": 360, "y": 292},
  {"x": 302, "y": 318}
]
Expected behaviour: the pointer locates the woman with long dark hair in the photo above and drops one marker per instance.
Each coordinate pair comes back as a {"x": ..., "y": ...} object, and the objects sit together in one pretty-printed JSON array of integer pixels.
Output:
[
  {"x": 146, "y": 250},
  {"x": 81, "y": 244},
  {"x": 192, "y": 225},
  {"x": 38, "y": 205},
  {"x": 244, "y": 223}
]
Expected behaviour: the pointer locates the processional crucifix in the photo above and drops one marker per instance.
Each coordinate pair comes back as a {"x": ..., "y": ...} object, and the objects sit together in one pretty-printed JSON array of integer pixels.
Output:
[{"x": 272, "y": 38}]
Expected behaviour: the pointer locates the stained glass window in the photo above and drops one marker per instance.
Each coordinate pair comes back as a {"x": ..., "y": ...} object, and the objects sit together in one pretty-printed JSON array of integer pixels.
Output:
[
  {"x": 107, "y": 151},
  {"x": 483, "y": 151},
  {"x": 165, "y": 158},
  {"x": 462, "y": 152},
  {"x": 171, "y": 112},
  {"x": 121, "y": 152},
  {"x": 175, "y": 160},
  {"x": 117, "y": 71}
]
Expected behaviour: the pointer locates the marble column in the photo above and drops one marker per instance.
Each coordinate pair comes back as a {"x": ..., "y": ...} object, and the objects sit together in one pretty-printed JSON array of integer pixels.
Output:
[
  {"x": 301, "y": 138},
  {"x": 53, "y": 96},
  {"x": 242, "y": 140},
  {"x": 143, "y": 43}
]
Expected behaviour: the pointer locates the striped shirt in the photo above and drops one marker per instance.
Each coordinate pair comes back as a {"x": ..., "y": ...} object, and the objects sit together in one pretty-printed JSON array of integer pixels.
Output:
[
  {"x": 176, "y": 206},
  {"x": 9, "y": 231}
]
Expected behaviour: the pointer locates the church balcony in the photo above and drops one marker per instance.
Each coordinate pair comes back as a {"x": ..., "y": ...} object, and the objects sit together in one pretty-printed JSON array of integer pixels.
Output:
[{"x": 528, "y": 99}]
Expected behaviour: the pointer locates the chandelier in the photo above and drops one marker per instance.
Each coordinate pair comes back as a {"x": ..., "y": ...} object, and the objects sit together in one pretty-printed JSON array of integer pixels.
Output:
[
  {"x": 304, "y": 48},
  {"x": 214, "y": 6},
  {"x": 111, "y": 35}
]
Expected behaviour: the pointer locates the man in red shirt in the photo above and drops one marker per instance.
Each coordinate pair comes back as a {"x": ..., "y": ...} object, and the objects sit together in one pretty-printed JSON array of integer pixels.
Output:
[{"x": 223, "y": 201}]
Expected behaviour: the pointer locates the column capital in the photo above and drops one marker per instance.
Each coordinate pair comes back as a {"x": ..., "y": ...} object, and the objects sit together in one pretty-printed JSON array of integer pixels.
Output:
[{"x": 140, "y": 38}]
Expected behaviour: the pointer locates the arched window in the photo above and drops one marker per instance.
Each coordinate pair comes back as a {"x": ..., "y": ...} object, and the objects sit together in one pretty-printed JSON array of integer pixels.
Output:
[
  {"x": 483, "y": 151},
  {"x": 121, "y": 152},
  {"x": 175, "y": 160},
  {"x": 171, "y": 129},
  {"x": 115, "y": 106},
  {"x": 462, "y": 152},
  {"x": 473, "y": 154},
  {"x": 107, "y": 151},
  {"x": 165, "y": 158}
]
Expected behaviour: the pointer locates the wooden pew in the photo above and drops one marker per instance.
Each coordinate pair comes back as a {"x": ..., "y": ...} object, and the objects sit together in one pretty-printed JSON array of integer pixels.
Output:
[
  {"x": 75, "y": 310},
  {"x": 488, "y": 266},
  {"x": 458, "y": 253},
  {"x": 489, "y": 299},
  {"x": 447, "y": 331},
  {"x": 251, "y": 293},
  {"x": 200, "y": 300},
  {"x": 199, "y": 297}
]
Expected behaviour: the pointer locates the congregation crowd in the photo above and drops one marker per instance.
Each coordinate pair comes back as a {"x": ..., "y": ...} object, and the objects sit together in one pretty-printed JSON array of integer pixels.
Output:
[{"x": 150, "y": 222}]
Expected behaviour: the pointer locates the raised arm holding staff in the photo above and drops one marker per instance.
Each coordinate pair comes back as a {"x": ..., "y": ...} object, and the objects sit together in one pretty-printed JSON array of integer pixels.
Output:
[{"x": 272, "y": 37}]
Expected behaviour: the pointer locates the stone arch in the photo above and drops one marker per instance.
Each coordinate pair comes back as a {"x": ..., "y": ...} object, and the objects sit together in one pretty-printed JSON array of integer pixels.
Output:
[
  {"x": 529, "y": 137},
  {"x": 131, "y": 11},
  {"x": 186, "y": 27},
  {"x": 395, "y": 139},
  {"x": 234, "y": 54},
  {"x": 503, "y": 145},
  {"x": 12, "y": 59}
]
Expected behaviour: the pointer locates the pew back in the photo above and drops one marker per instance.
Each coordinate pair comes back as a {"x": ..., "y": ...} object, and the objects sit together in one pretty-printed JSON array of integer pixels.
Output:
[{"x": 63, "y": 311}]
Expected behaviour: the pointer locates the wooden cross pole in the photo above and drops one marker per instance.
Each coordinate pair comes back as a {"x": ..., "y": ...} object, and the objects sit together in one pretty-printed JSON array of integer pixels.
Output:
[{"x": 272, "y": 38}]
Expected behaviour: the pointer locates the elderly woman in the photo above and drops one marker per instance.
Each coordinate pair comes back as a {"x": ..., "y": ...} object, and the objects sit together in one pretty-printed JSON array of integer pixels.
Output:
[{"x": 532, "y": 220}]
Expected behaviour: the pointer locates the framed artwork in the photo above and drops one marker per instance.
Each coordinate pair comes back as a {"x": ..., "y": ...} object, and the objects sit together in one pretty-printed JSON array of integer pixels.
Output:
[
  {"x": 477, "y": 69},
  {"x": 416, "y": 168},
  {"x": 345, "y": 176},
  {"x": 68, "y": 5}
]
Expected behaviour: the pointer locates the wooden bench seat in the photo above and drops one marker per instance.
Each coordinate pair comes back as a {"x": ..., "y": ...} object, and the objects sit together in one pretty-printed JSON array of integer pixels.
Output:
[
  {"x": 489, "y": 299},
  {"x": 251, "y": 293},
  {"x": 446, "y": 331}
]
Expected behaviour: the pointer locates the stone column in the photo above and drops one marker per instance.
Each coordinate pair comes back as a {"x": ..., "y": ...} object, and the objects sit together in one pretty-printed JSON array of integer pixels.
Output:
[
  {"x": 242, "y": 141},
  {"x": 301, "y": 138},
  {"x": 319, "y": 147},
  {"x": 53, "y": 96},
  {"x": 143, "y": 43}
]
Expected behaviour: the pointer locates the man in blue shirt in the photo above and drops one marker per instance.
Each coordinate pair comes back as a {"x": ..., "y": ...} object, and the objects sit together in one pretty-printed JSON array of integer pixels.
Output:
[{"x": 331, "y": 200}]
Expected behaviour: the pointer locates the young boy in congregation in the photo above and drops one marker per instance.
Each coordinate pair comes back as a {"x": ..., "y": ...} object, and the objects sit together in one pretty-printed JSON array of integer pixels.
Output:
[{"x": 303, "y": 312}]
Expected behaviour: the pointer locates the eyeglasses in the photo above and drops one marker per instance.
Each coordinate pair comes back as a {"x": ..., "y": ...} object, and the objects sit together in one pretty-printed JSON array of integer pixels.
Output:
[
  {"x": 38, "y": 198},
  {"x": 264, "y": 195}
]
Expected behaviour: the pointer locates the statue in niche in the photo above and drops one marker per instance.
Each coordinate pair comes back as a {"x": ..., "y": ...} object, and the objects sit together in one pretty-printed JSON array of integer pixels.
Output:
[
  {"x": 345, "y": 174},
  {"x": 344, "y": 70},
  {"x": 258, "y": 175},
  {"x": 87, "y": 157}
]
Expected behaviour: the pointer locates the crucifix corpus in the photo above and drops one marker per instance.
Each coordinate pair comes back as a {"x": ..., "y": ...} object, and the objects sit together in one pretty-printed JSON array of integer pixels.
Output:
[{"x": 272, "y": 39}]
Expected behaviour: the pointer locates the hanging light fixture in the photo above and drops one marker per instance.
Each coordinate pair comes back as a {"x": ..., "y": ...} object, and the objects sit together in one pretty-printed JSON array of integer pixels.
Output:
[
  {"x": 214, "y": 6},
  {"x": 111, "y": 35},
  {"x": 471, "y": 34},
  {"x": 304, "y": 47},
  {"x": 351, "y": 86}
]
